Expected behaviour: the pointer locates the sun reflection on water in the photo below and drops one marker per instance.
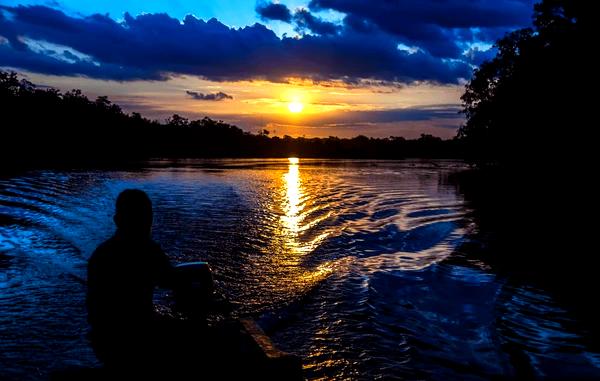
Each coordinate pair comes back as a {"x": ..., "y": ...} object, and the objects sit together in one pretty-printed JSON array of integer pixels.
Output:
[
  {"x": 292, "y": 205},
  {"x": 297, "y": 204}
]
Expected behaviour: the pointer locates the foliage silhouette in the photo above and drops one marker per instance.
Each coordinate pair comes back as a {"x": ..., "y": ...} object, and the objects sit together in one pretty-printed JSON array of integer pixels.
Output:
[
  {"x": 520, "y": 104},
  {"x": 42, "y": 126},
  {"x": 527, "y": 110}
]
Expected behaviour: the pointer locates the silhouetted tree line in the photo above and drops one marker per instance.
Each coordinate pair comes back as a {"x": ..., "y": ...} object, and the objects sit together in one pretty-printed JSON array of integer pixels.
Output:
[
  {"x": 45, "y": 126},
  {"x": 529, "y": 104},
  {"x": 529, "y": 127}
]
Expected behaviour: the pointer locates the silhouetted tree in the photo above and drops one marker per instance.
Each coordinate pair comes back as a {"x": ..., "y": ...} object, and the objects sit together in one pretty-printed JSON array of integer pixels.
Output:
[
  {"x": 521, "y": 105},
  {"x": 177, "y": 121},
  {"x": 529, "y": 115}
]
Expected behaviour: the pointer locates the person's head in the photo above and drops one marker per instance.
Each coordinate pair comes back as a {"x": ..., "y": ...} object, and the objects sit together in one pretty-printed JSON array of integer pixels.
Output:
[{"x": 133, "y": 215}]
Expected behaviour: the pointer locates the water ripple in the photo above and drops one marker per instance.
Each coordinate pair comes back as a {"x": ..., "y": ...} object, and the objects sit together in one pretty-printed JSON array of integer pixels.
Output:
[{"x": 346, "y": 263}]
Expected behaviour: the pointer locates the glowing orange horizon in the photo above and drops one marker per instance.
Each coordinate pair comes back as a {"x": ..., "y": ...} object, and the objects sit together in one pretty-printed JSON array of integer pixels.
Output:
[{"x": 295, "y": 107}]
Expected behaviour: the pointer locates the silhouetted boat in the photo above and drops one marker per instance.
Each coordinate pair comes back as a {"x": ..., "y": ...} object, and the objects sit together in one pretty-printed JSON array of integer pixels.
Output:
[{"x": 245, "y": 350}]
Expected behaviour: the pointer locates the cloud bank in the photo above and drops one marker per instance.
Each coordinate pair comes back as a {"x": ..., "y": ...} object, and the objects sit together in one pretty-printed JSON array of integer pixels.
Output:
[{"x": 365, "y": 47}]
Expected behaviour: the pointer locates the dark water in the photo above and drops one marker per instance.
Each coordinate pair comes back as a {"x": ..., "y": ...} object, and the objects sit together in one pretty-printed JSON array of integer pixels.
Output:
[{"x": 355, "y": 266}]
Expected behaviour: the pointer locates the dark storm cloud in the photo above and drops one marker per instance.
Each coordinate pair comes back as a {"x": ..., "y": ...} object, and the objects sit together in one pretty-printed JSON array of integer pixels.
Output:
[
  {"x": 302, "y": 18},
  {"x": 437, "y": 26},
  {"x": 46, "y": 64},
  {"x": 157, "y": 46},
  {"x": 273, "y": 11},
  {"x": 307, "y": 21},
  {"x": 352, "y": 118},
  {"x": 220, "y": 96}
]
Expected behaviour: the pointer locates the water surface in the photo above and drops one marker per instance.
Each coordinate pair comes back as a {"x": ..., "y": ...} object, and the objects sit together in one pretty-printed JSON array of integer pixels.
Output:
[{"x": 356, "y": 266}]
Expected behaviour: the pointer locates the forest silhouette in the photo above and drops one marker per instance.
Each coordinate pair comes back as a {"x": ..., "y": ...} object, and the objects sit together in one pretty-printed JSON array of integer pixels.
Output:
[
  {"x": 521, "y": 105},
  {"x": 47, "y": 127},
  {"x": 526, "y": 116},
  {"x": 527, "y": 111}
]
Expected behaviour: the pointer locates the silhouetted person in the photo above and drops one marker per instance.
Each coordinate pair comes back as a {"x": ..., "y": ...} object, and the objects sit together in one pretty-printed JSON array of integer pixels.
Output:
[
  {"x": 127, "y": 335},
  {"x": 122, "y": 275}
]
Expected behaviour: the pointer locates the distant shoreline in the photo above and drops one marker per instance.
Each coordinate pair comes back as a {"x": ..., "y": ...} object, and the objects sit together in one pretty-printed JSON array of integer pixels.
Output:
[
  {"x": 16, "y": 168},
  {"x": 48, "y": 128}
]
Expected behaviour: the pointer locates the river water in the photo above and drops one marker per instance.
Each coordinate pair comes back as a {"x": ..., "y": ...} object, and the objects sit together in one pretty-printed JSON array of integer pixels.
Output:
[{"x": 356, "y": 266}]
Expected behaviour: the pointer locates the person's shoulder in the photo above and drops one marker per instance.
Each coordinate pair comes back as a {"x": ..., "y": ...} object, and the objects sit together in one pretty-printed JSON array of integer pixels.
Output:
[
  {"x": 155, "y": 247},
  {"x": 103, "y": 249},
  {"x": 107, "y": 245}
]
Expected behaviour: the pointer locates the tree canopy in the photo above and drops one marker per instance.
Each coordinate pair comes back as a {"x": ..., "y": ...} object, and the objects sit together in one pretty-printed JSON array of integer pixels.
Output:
[{"x": 528, "y": 100}]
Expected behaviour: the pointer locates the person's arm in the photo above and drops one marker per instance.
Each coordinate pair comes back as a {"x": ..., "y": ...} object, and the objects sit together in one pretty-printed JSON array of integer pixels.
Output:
[{"x": 165, "y": 272}]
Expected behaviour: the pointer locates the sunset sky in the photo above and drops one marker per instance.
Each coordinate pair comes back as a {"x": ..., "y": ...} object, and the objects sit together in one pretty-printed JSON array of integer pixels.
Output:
[{"x": 313, "y": 67}]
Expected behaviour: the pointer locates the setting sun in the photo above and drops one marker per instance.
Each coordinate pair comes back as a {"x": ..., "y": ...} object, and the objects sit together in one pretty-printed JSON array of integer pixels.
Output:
[{"x": 295, "y": 106}]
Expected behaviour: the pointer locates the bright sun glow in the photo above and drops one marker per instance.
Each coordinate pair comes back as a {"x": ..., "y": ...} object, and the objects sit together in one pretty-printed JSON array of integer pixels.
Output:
[
  {"x": 293, "y": 160},
  {"x": 295, "y": 106}
]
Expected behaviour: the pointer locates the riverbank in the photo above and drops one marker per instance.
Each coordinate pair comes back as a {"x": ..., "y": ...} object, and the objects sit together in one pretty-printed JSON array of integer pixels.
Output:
[{"x": 531, "y": 226}]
